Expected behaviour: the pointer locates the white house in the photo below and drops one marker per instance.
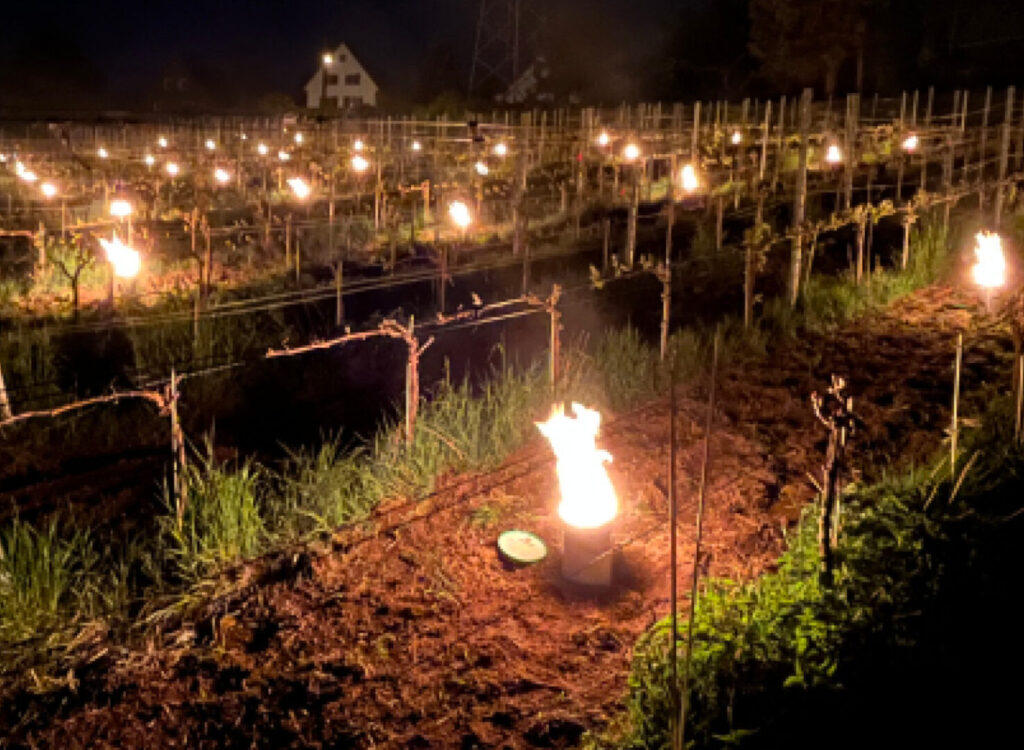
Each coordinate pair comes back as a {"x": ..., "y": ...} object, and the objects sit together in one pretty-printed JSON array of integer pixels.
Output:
[{"x": 342, "y": 81}]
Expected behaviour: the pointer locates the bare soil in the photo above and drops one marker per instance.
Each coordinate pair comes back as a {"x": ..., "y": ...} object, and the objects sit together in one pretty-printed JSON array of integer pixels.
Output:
[{"x": 410, "y": 631}]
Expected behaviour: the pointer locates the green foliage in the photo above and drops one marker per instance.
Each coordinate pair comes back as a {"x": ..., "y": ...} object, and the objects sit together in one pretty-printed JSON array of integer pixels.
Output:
[
  {"x": 761, "y": 650},
  {"x": 43, "y": 574},
  {"x": 222, "y": 520},
  {"x": 625, "y": 367}
]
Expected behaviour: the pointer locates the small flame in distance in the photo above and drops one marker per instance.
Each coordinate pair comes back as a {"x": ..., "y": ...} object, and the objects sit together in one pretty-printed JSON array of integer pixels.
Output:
[
  {"x": 688, "y": 178},
  {"x": 125, "y": 260},
  {"x": 588, "y": 498},
  {"x": 990, "y": 269}
]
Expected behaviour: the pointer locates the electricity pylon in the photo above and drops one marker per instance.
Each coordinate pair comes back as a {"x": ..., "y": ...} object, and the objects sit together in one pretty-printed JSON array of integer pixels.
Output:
[{"x": 507, "y": 40}]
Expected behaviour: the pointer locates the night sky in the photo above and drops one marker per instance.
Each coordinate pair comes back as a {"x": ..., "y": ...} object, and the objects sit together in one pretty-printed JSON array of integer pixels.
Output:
[
  {"x": 82, "y": 56},
  {"x": 263, "y": 45}
]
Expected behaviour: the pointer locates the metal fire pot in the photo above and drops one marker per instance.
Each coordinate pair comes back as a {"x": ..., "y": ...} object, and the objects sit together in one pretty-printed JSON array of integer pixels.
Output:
[{"x": 587, "y": 555}]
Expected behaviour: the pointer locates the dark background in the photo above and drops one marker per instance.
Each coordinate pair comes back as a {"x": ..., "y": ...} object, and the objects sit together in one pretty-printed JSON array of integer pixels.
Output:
[{"x": 254, "y": 54}]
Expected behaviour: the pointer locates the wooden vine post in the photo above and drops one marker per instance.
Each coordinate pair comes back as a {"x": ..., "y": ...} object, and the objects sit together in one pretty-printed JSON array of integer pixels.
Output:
[
  {"x": 756, "y": 239},
  {"x": 526, "y": 254},
  {"x": 207, "y": 272},
  {"x": 908, "y": 221},
  {"x": 861, "y": 218},
  {"x": 5, "y": 401},
  {"x": 954, "y": 427},
  {"x": 339, "y": 299},
  {"x": 800, "y": 209},
  {"x": 392, "y": 329},
  {"x": 551, "y": 306},
  {"x": 288, "y": 241},
  {"x": 412, "y": 377},
  {"x": 850, "y": 147},
  {"x": 606, "y": 230},
  {"x": 983, "y": 147},
  {"x": 1004, "y": 156},
  {"x": 835, "y": 411},
  {"x": 177, "y": 449},
  {"x": 634, "y": 209},
  {"x": 664, "y": 275}
]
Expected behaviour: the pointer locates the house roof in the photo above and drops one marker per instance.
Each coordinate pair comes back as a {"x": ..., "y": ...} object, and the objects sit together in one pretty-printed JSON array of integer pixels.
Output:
[{"x": 344, "y": 49}]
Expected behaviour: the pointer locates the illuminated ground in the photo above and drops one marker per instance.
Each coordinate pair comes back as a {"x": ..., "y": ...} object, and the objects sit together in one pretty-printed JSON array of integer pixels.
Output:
[{"x": 409, "y": 631}]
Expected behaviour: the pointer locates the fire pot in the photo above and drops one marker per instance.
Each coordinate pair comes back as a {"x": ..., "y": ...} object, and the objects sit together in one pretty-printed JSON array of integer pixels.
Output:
[{"x": 587, "y": 555}]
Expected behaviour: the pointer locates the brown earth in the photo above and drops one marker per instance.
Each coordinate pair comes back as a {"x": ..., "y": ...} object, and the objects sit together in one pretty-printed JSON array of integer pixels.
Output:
[{"x": 409, "y": 631}]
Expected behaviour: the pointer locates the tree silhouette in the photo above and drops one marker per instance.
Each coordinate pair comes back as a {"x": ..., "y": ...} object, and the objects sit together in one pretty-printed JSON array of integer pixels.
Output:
[{"x": 804, "y": 42}]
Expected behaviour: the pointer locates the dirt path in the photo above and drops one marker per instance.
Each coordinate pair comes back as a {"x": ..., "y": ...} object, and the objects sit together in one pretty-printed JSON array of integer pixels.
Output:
[{"x": 410, "y": 632}]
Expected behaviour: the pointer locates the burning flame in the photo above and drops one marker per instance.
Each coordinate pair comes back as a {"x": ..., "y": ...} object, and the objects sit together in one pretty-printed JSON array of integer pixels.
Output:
[
  {"x": 588, "y": 498},
  {"x": 736, "y": 138},
  {"x": 833, "y": 155},
  {"x": 300, "y": 187},
  {"x": 459, "y": 213},
  {"x": 910, "y": 142},
  {"x": 990, "y": 270},
  {"x": 688, "y": 178},
  {"x": 125, "y": 260},
  {"x": 120, "y": 208}
]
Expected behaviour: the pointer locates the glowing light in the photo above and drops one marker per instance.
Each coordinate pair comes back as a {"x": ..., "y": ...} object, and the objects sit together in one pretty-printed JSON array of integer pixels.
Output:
[
  {"x": 161, "y": 142},
  {"x": 172, "y": 169},
  {"x": 737, "y": 138},
  {"x": 48, "y": 189},
  {"x": 358, "y": 145},
  {"x": 3, "y": 158},
  {"x": 328, "y": 58},
  {"x": 359, "y": 164},
  {"x": 19, "y": 168},
  {"x": 910, "y": 142},
  {"x": 588, "y": 498},
  {"x": 126, "y": 261},
  {"x": 989, "y": 271},
  {"x": 283, "y": 155},
  {"x": 102, "y": 152},
  {"x": 300, "y": 187},
  {"x": 833, "y": 155},
  {"x": 481, "y": 169},
  {"x": 262, "y": 149},
  {"x": 500, "y": 149},
  {"x": 688, "y": 178},
  {"x": 459, "y": 213},
  {"x": 28, "y": 175},
  {"x": 298, "y": 137},
  {"x": 603, "y": 139},
  {"x": 631, "y": 151},
  {"x": 120, "y": 208},
  {"x": 221, "y": 175},
  {"x": 417, "y": 146},
  {"x": 210, "y": 144},
  {"x": 149, "y": 159},
  {"x": 244, "y": 137}
]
